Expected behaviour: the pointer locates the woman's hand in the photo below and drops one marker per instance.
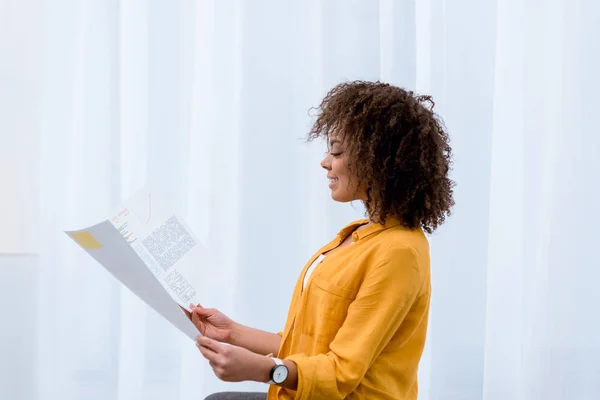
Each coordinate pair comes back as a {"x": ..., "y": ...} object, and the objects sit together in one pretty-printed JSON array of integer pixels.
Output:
[
  {"x": 212, "y": 323},
  {"x": 234, "y": 364},
  {"x": 216, "y": 325}
]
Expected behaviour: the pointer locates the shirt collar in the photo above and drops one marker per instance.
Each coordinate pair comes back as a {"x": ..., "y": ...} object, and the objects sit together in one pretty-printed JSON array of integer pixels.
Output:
[{"x": 369, "y": 230}]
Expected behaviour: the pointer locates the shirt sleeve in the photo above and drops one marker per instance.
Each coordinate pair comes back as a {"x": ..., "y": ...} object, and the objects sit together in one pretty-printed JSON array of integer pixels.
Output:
[{"x": 381, "y": 304}]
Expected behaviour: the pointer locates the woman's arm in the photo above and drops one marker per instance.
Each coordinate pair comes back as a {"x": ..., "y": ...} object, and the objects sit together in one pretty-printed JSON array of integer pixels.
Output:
[
  {"x": 214, "y": 324},
  {"x": 255, "y": 340}
]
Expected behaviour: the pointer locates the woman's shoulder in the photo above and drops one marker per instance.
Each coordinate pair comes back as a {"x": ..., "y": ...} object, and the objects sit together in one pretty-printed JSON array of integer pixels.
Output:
[
  {"x": 400, "y": 238},
  {"x": 401, "y": 245}
]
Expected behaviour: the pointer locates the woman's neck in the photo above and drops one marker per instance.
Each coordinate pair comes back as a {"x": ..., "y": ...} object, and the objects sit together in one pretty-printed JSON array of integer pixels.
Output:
[{"x": 374, "y": 219}]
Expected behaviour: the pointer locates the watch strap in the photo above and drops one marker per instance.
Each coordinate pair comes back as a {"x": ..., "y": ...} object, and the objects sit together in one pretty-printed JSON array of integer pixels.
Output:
[{"x": 277, "y": 363}]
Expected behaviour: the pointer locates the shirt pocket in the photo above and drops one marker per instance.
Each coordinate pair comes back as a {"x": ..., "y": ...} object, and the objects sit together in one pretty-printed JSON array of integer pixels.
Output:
[
  {"x": 326, "y": 309},
  {"x": 334, "y": 289}
]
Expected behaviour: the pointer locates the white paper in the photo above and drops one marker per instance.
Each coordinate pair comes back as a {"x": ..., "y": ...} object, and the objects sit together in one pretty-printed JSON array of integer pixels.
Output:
[{"x": 151, "y": 252}]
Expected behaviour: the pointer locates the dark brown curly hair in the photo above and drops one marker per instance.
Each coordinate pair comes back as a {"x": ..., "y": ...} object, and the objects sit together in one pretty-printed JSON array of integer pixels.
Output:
[{"x": 396, "y": 146}]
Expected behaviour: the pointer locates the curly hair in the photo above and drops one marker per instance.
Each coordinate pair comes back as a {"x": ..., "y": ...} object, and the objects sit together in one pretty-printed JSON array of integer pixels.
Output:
[{"x": 397, "y": 147}]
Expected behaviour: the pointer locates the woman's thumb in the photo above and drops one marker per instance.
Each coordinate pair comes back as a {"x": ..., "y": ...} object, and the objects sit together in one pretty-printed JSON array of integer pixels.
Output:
[{"x": 201, "y": 311}]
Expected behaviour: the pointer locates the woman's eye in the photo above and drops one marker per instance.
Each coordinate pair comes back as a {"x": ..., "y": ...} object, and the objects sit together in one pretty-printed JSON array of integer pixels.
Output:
[{"x": 336, "y": 154}]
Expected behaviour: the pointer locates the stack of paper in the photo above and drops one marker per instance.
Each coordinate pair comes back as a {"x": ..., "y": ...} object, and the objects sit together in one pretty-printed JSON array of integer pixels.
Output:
[{"x": 151, "y": 252}]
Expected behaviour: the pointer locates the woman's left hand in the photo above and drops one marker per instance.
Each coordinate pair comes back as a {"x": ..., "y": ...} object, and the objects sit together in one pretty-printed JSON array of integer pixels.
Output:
[{"x": 234, "y": 364}]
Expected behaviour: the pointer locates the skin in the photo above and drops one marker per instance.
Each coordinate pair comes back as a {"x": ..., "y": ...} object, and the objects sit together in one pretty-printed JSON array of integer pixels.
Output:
[
  {"x": 237, "y": 352},
  {"x": 344, "y": 186}
]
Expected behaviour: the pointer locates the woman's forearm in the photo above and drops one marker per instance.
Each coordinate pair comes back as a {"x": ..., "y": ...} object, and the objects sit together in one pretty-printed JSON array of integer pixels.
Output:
[{"x": 255, "y": 340}]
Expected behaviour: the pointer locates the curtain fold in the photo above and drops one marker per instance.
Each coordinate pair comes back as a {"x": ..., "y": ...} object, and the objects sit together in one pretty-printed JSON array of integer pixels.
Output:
[{"x": 209, "y": 101}]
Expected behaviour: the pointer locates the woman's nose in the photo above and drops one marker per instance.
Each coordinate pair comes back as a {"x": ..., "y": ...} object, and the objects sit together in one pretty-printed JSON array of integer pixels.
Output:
[{"x": 325, "y": 163}]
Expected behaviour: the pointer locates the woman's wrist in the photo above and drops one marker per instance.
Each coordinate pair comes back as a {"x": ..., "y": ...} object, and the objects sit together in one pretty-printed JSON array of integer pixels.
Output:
[
  {"x": 255, "y": 340},
  {"x": 263, "y": 369},
  {"x": 265, "y": 365},
  {"x": 236, "y": 332}
]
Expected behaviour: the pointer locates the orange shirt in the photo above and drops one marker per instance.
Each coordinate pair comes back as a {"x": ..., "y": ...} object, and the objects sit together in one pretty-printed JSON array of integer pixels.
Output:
[{"x": 357, "y": 330}]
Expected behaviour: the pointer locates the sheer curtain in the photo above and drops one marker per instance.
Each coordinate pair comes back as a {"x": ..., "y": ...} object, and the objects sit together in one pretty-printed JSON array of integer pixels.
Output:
[{"x": 209, "y": 101}]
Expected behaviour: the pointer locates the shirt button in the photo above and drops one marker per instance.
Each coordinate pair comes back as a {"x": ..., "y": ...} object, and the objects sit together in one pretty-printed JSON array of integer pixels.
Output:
[{"x": 355, "y": 236}]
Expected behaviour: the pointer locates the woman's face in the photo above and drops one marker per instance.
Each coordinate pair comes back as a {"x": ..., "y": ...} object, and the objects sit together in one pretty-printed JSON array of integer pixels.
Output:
[{"x": 343, "y": 184}]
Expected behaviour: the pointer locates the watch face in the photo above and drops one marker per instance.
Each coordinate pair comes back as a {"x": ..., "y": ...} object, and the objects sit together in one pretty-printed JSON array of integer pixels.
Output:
[{"x": 280, "y": 374}]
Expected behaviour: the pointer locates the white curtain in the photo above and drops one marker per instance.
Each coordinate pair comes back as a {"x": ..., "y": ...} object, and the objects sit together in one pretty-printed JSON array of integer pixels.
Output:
[{"x": 209, "y": 101}]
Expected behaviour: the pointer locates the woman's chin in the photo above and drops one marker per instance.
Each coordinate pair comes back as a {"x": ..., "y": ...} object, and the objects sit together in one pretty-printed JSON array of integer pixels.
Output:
[{"x": 340, "y": 198}]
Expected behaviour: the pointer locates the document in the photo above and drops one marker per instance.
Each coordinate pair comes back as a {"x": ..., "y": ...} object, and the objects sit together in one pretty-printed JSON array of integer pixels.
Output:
[{"x": 151, "y": 252}]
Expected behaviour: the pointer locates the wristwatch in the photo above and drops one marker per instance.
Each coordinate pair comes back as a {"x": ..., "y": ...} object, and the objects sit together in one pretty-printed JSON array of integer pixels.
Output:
[{"x": 279, "y": 373}]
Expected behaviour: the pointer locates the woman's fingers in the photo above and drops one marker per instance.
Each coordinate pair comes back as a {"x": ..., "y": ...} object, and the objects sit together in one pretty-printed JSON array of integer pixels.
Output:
[
  {"x": 209, "y": 348},
  {"x": 208, "y": 354},
  {"x": 203, "y": 312},
  {"x": 187, "y": 313},
  {"x": 211, "y": 344},
  {"x": 197, "y": 319},
  {"x": 196, "y": 309}
]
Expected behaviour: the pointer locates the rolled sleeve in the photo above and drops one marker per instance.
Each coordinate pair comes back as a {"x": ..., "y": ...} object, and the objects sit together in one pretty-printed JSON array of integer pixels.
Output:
[{"x": 383, "y": 301}]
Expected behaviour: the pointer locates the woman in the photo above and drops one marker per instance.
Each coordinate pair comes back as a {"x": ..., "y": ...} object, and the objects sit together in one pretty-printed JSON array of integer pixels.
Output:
[{"x": 358, "y": 317}]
